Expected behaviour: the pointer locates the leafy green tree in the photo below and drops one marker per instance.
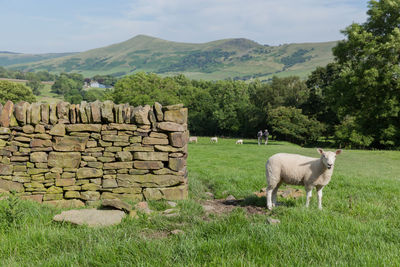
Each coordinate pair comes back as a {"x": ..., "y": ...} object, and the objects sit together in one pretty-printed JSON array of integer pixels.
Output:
[
  {"x": 215, "y": 107},
  {"x": 368, "y": 85},
  {"x": 4, "y": 73},
  {"x": 92, "y": 95},
  {"x": 231, "y": 105},
  {"x": 201, "y": 106},
  {"x": 142, "y": 89},
  {"x": 17, "y": 74},
  {"x": 73, "y": 96},
  {"x": 35, "y": 85},
  {"x": 288, "y": 123},
  {"x": 348, "y": 134},
  {"x": 45, "y": 76},
  {"x": 67, "y": 82},
  {"x": 196, "y": 96},
  {"x": 15, "y": 92},
  {"x": 288, "y": 91},
  {"x": 318, "y": 104}
]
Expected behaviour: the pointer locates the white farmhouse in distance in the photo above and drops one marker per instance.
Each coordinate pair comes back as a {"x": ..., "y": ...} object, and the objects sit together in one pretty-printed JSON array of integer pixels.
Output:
[{"x": 94, "y": 84}]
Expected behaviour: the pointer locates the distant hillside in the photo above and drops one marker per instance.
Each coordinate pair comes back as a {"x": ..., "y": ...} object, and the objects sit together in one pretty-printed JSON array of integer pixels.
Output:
[
  {"x": 8, "y": 58},
  {"x": 222, "y": 59},
  {"x": 8, "y": 52}
]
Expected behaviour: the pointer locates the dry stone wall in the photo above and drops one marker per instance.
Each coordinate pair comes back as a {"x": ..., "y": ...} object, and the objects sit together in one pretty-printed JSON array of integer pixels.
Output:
[{"x": 92, "y": 151}]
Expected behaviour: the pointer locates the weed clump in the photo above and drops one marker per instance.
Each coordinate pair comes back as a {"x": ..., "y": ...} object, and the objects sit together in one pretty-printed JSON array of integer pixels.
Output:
[{"x": 11, "y": 212}]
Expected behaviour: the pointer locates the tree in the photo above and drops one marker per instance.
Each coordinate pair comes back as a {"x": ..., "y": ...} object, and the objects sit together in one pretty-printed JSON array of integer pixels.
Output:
[
  {"x": 368, "y": 84},
  {"x": 94, "y": 94},
  {"x": 35, "y": 85},
  {"x": 73, "y": 96},
  {"x": 215, "y": 107},
  {"x": 196, "y": 96},
  {"x": 67, "y": 82},
  {"x": 348, "y": 135},
  {"x": 231, "y": 103},
  {"x": 288, "y": 123},
  {"x": 318, "y": 104},
  {"x": 15, "y": 92},
  {"x": 289, "y": 92},
  {"x": 142, "y": 89},
  {"x": 45, "y": 76}
]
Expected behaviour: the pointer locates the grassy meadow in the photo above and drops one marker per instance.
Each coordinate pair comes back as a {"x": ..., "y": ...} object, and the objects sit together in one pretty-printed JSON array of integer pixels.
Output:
[
  {"x": 359, "y": 225},
  {"x": 46, "y": 96}
]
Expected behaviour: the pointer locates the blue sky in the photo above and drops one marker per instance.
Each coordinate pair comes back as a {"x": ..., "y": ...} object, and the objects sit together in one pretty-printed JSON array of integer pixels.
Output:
[{"x": 42, "y": 26}]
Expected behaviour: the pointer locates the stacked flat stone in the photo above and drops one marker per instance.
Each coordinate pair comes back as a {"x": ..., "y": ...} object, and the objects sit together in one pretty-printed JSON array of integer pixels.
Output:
[{"x": 93, "y": 151}]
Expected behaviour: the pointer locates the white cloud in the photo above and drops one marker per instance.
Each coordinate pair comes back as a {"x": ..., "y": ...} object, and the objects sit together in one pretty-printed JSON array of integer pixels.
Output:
[{"x": 265, "y": 21}]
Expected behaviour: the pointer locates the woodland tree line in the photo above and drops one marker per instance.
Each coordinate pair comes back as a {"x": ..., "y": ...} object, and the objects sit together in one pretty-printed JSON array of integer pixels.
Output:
[{"x": 351, "y": 102}]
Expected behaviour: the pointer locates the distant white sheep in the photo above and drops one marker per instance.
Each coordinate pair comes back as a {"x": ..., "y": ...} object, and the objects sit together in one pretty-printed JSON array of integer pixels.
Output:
[
  {"x": 299, "y": 170},
  {"x": 214, "y": 140},
  {"x": 239, "y": 142},
  {"x": 193, "y": 139}
]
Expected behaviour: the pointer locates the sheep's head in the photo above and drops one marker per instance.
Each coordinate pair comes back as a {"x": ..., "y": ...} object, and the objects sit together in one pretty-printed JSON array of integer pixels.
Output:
[{"x": 328, "y": 157}]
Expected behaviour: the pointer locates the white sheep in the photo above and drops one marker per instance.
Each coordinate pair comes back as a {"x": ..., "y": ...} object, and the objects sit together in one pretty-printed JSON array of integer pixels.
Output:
[
  {"x": 240, "y": 141},
  {"x": 214, "y": 140},
  {"x": 193, "y": 139},
  {"x": 299, "y": 170}
]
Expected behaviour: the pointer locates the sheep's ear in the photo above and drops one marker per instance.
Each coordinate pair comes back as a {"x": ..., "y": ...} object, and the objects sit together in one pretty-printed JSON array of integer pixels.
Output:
[
  {"x": 320, "y": 151},
  {"x": 338, "y": 151}
]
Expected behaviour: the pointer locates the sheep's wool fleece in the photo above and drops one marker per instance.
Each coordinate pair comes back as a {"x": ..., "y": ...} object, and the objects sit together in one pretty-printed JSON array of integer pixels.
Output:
[{"x": 293, "y": 168}]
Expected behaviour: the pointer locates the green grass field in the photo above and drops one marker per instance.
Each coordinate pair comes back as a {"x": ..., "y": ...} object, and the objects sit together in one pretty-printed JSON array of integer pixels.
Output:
[
  {"x": 46, "y": 96},
  {"x": 359, "y": 225}
]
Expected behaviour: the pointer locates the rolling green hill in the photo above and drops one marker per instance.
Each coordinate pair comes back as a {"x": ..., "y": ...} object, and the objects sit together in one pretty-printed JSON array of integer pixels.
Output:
[
  {"x": 222, "y": 59},
  {"x": 11, "y": 58}
]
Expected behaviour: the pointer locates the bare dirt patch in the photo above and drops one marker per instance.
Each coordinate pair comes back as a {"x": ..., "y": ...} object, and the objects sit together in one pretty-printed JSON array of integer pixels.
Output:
[
  {"x": 254, "y": 204},
  {"x": 222, "y": 206},
  {"x": 285, "y": 193}
]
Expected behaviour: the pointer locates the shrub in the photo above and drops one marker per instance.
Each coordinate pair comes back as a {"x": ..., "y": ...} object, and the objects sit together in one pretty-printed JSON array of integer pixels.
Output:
[{"x": 15, "y": 92}]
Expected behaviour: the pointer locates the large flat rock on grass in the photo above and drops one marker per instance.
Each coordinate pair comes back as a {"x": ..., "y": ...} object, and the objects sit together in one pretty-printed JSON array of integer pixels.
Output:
[
  {"x": 91, "y": 217},
  {"x": 117, "y": 204}
]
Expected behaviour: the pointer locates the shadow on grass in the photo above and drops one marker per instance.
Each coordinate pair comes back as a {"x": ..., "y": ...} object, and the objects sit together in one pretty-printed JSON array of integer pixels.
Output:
[
  {"x": 255, "y": 143},
  {"x": 256, "y": 201}
]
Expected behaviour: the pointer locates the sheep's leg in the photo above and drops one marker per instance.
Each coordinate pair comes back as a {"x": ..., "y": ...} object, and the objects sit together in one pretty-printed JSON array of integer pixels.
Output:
[
  {"x": 308, "y": 196},
  {"x": 272, "y": 183},
  {"x": 275, "y": 193},
  {"x": 269, "y": 198},
  {"x": 319, "y": 193}
]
